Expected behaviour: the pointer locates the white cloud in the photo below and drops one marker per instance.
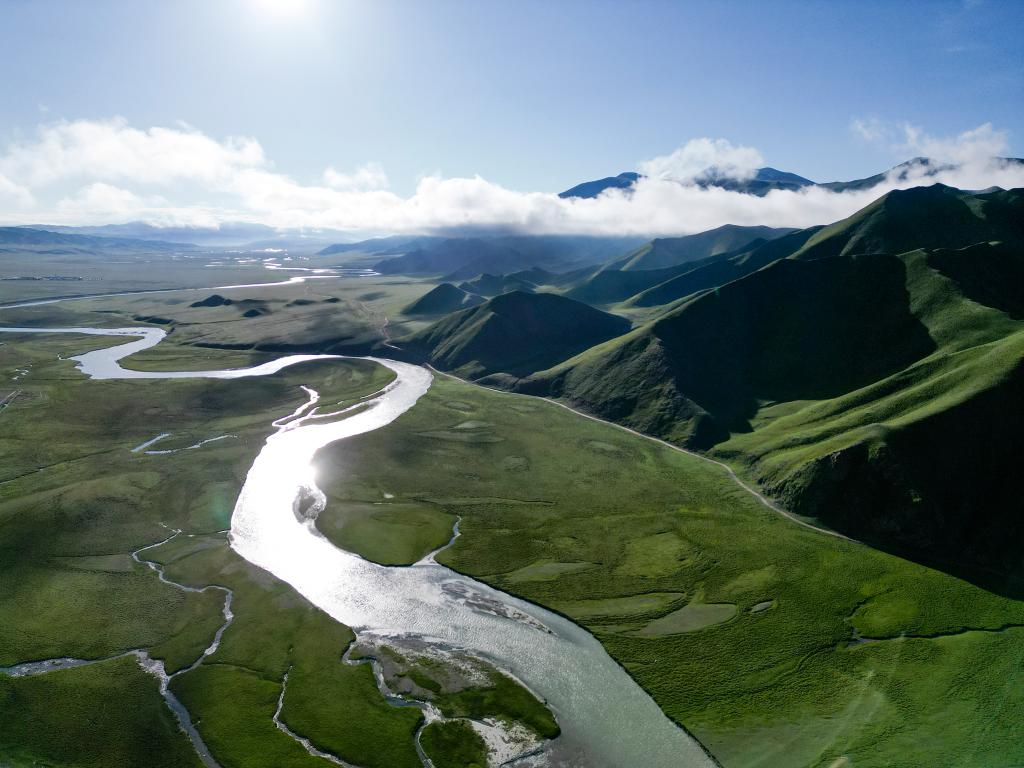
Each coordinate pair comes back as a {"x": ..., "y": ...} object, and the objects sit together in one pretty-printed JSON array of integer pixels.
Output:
[
  {"x": 698, "y": 156},
  {"x": 105, "y": 171},
  {"x": 111, "y": 150},
  {"x": 869, "y": 129},
  {"x": 100, "y": 200},
  {"x": 978, "y": 145},
  {"x": 366, "y": 177},
  {"x": 14, "y": 194}
]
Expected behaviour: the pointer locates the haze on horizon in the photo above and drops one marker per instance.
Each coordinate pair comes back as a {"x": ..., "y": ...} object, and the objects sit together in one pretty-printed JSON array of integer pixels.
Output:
[{"x": 398, "y": 117}]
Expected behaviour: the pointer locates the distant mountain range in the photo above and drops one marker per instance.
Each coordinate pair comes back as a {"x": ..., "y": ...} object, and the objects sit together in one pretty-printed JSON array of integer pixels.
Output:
[
  {"x": 30, "y": 239},
  {"x": 465, "y": 258},
  {"x": 765, "y": 180},
  {"x": 226, "y": 235}
]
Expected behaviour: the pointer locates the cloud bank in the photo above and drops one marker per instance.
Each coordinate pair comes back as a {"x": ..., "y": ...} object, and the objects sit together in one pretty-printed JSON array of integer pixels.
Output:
[{"x": 107, "y": 171}]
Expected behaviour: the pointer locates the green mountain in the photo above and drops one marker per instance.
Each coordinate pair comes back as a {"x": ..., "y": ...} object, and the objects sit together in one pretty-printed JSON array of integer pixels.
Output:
[
  {"x": 463, "y": 258},
  {"x": 514, "y": 333},
  {"x": 923, "y": 217},
  {"x": 711, "y": 273},
  {"x": 872, "y": 380},
  {"x": 671, "y": 251},
  {"x": 441, "y": 300},
  {"x": 606, "y": 285},
  {"x": 492, "y": 285}
]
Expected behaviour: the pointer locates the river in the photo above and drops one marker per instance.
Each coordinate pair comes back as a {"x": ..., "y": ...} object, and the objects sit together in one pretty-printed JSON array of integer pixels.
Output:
[{"x": 607, "y": 720}]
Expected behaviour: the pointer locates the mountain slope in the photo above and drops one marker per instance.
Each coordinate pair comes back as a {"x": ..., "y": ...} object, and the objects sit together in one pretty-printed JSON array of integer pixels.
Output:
[
  {"x": 441, "y": 300},
  {"x": 493, "y": 285},
  {"x": 762, "y": 182},
  {"x": 711, "y": 273},
  {"x": 881, "y": 393},
  {"x": 595, "y": 188},
  {"x": 514, "y": 333},
  {"x": 463, "y": 258},
  {"x": 923, "y": 217},
  {"x": 670, "y": 251},
  {"x": 608, "y": 285},
  {"x": 793, "y": 331}
]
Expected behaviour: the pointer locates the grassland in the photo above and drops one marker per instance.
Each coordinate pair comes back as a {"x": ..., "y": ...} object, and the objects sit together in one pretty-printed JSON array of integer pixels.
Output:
[
  {"x": 454, "y": 745},
  {"x": 788, "y": 683},
  {"x": 351, "y": 315},
  {"x": 77, "y": 592},
  {"x": 75, "y": 502}
]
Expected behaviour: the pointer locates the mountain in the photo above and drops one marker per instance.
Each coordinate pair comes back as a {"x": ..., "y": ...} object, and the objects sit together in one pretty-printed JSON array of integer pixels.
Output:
[
  {"x": 923, "y": 217},
  {"x": 711, "y": 273},
  {"x": 22, "y": 238},
  {"x": 393, "y": 245},
  {"x": 917, "y": 167},
  {"x": 607, "y": 285},
  {"x": 670, "y": 251},
  {"x": 761, "y": 183},
  {"x": 767, "y": 179},
  {"x": 224, "y": 235},
  {"x": 492, "y": 285},
  {"x": 872, "y": 378},
  {"x": 441, "y": 300},
  {"x": 514, "y": 333},
  {"x": 464, "y": 258},
  {"x": 595, "y": 188},
  {"x": 792, "y": 331},
  {"x": 662, "y": 259}
]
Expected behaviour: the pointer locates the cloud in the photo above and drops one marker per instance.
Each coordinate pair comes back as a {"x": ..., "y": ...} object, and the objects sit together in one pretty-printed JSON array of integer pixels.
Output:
[
  {"x": 869, "y": 129},
  {"x": 111, "y": 150},
  {"x": 699, "y": 156},
  {"x": 15, "y": 195},
  {"x": 104, "y": 171},
  {"x": 100, "y": 200},
  {"x": 366, "y": 177},
  {"x": 978, "y": 145}
]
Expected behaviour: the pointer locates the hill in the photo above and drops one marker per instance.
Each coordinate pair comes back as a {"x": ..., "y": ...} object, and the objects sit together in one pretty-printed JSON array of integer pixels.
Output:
[
  {"x": 514, "y": 333},
  {"x": 441, "y": 300}
]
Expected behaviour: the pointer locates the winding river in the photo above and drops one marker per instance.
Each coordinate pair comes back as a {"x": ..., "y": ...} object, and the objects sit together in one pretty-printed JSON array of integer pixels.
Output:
[{"x": 607, "y": 720}]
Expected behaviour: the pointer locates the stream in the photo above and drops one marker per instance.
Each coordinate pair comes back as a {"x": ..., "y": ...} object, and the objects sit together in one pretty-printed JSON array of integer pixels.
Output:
[{"x": 607, "y": 720}]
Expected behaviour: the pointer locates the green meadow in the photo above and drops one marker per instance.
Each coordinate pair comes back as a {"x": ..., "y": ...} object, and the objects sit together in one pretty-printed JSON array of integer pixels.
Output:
[{"x": 776, "y": 645}]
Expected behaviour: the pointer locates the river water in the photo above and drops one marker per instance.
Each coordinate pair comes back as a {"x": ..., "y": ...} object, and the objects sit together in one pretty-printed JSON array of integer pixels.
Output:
[{"x": 607, "y": 720}]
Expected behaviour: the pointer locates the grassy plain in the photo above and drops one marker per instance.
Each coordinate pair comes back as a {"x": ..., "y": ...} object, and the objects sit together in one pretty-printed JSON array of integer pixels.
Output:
[
  {"x": 75, "y": 501},
  {"x": 939, "y": 682}
]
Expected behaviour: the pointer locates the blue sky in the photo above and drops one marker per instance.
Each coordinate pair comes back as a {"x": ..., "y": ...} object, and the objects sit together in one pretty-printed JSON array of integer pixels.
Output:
[{"x": 528, "y": 95}]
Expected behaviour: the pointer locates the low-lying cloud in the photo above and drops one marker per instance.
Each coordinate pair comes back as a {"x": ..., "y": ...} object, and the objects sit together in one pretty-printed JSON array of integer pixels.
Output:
[{"x": 93, "y": 172}]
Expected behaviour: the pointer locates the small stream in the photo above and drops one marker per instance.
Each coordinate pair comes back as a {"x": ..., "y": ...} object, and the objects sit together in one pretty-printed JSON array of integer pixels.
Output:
[{"x": 607, "y": 720}]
